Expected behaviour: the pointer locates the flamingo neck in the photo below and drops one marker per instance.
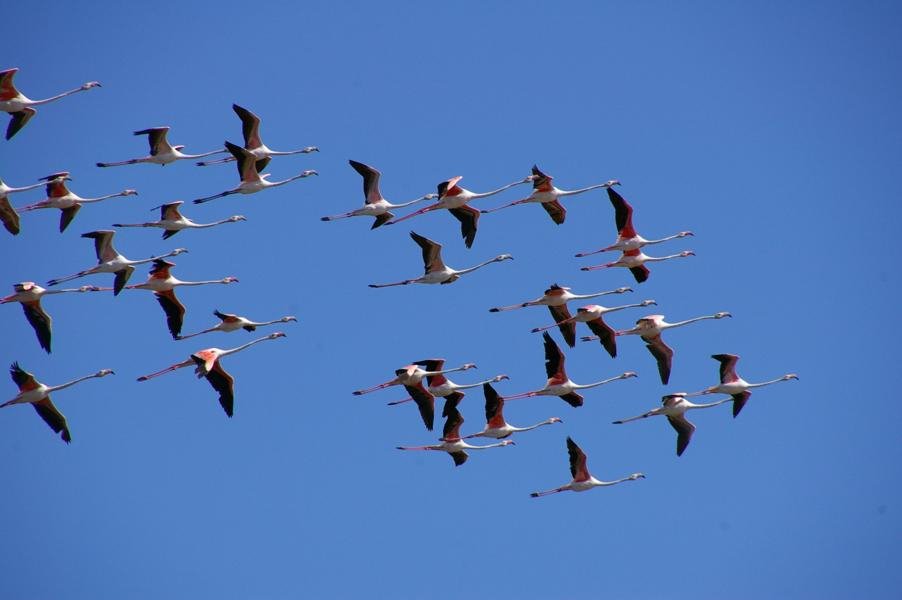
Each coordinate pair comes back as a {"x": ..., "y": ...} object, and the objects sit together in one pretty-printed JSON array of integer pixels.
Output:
[
  {"x": 479, "y": 266},
  {"x": 493, "y": 192},
  {"x": 581, "y": 190},
  {"x": 763, "y": 383},
  {"x": 57, "y": 97},
  {"x": 686, "y": 322},
  {"x": 596, "y": 384},
  {"x": 660, "y": 258},
  {"x": 403, "y": 204},
  {"x": 243, "y": 346},
  {"x": 108, "y": 196},
  {"x": 63, "y": 386}
]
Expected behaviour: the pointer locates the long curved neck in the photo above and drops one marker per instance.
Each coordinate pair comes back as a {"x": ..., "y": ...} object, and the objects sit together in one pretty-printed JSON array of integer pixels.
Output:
[
  {"x": 284, "y": 181},
  {"x": 203, "y": 154},
  {"x": 57, "y": 97},
  {"x": 596, "y": 295},
  {"x": 244, "y": 346},
  {"x": 615, "y": 482},
  {"x": 287, "y": 152},
  {"x": 665, "y": 239},
  {"x": 660, "y": 258},
  {"x": 56, "y": 388},
  {"x": 479, "y": 266},
  {"x": 616, "y": 308},
  {"x": 596, "y": 384},
  {"x": 179, "y": 282},
  {"x": 12, "y": 190},
  {"x": 709, "y": 404},
  {"x": 264, "y": 323},
  {"x": 471, "y": 447},
  {"x": 536, "y": 426},
  {"x": 420, "y": 199},
  {"x": 214, "y": 224},
  {"x": 763, "y": 383},
  {"x": 152, "y": 258},
  {"x": 108, "y": 196},
  {"x": 686, "y": 322},
  {"x": 472, "y": 385},
  {"x": 581, "y": 190},
  {"x": 498, "y": 191}
]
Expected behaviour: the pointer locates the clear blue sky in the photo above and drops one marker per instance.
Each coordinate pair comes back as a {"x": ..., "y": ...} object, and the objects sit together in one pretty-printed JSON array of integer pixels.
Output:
[{"x": 773, "y": 132}]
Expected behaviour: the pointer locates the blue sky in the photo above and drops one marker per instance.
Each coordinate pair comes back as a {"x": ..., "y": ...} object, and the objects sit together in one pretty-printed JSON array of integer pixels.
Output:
[{"x": 772, "y": 132}]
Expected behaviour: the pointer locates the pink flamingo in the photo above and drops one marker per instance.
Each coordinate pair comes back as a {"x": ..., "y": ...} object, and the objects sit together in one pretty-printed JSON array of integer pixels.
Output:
[
  {"x": 635, "y": 260},
  {"x": 558, "y": 383},
  {"x": 582, "y": 479},
  {"x": 496, "y": 427},
  {"x": 207, "y": 363},
  {"x": 556, "y": 299},
  {"x": 250, "y": 129},
  {"x": 547, "y": 195},
  {"x": 33, "y": 392},
  {"x": 451, "y": 441},
  {"x": 172, "y": 221},
  {"x": 161, "y": 151},
  {"x": 69, "y": 203},
  {"x": 442, "y": 387},
  {"x": 455, "y": 199},
  {"x": 376, "y": 205},
  {"x": 734, "y": 385},
  {"x": 591, "y": 315},
  {"x": 8, "y": 215},
  {"x": 229, "y": 322},
  {"x": 674, "y": 408},
  {"x": 627, "y": 238},
  {"x": 19, "y": 106},
  {"x": 29, "y": 295}
]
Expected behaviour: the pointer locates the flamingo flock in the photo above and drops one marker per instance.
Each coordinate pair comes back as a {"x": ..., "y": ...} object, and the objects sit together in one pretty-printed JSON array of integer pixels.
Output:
[{"x": 251, "y": 159}]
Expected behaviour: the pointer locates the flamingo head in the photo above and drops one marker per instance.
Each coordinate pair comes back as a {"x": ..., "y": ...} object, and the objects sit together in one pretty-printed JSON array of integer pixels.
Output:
[
  {"x": 555, "y": 420},
  {"x": 467, "y": 366},
  {"x": 310, "y": 149},
  {"x": 179, "y": 147},
  {"x": 721, "y": 315},
  {"x": 648, "y": 303},
  {"x": 89, "y": 288},
  {"x": 289, "y": 318},
  {"x": 508, "y": 443},
  {"x": 687, "y": 253},
  {"x": 91, "y": 84},
  {"x": 629, "y": 374},
  {"x": 229, "y": 279},
  {"x": 790, "y": 376},
  {"x": 498, "y": 378},
  {"x": 178, "y": 251},
  {"x": 683, "y": 234},
  {"x": 501, "y": 257},
  {"x": 236, "y": 218},
  {"x": 612, "y": 182},
  {"x": 636, "y": 476},
  {"x": 430, "y": 196},
  {"x": 623, "y": 290},
  {"x": 275, "y": 335},
  {"x": 308, "y": 173},
  {"x": 104, "y": 373},
  {"x": 129, "y": 192}
]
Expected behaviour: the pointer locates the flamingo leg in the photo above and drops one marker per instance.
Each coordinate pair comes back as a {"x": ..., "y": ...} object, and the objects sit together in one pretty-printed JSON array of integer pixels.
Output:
[{"x": 174, "y": 367}]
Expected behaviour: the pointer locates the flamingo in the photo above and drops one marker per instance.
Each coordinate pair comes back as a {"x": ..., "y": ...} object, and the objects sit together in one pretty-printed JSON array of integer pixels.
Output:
[
  {"x": 442, "y": 387},
  {"x": 734, "y": 385},
  {"x": 592, "y": 315},
  {"x": 250, "y": 128},
  {"x": 20, "y": 106},
  {"x": 627, "y": 238},
  {"x": 29, "y": 295},
  {"x": 59, "y": 196},
  {"x": 208, "y": 363},
  {"x": 229, "y": 323},
  {"x": 376, "y": 205},
  {"x": 6, "y": 190},
  {"x": 496, "y": 427},
  {"x": 556, "y": 299},
  {"x": 172, "y": 221},
  {"x": 674, "y": 408},
  {"x": 451, "y": 441},
  {"x": 558, "y": 383},
  {"x": 161, "y": 151},
  {"x": 435, "y": 269},
  {"x": 411, "y": 377},
  {"x": 635, "y": 260},
  {"x": 650, "y": 328},
  {"x": 8, "y": 215},
  {"x": 582, "y": 480},
  {"x": 110, "y": 261},
  {"x": 547, "y": 195},
  {"x": 251, "y": 180},
  {"x": 455, "y": 198},
  {"x": 163, "y": 285},
  {"x": 32, "y": 391}
]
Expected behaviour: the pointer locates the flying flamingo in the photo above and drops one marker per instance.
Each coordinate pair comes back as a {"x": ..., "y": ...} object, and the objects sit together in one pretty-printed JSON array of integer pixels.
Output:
[
  {"x": 582, "y": 480},
  {"x": 496, "y": 427},
  {"x": 250, "y": 128},
  {"x": 556, "y": 299},
  {"x": 627, "y": 238},
  {"x": 733, "y": 384},
  {"x": 207, "y": 363},
  {"x": 29, "y": 295},
  {"x": 558, "y": 383},
  {"x": 110, "y": 261},
  {"x": 545, "y": 193},
  {"x": 411, "y": 377},
  {"x": 376, "y": 205},
  {"x": 163, "y": 285},
  {"x": 161, "y": 151},
  {"x": 442, "y": 387},
  {"x": 8, "y": 215},
  {"x": 59, "y": 196},
  {"x": 435, "y": 269},
  {"x": 451, "y": 441},
  {"x": 455, "y": 198},
  {"x": 19, "y": 106},
  {"x": 173, "y": 221},
  {"x": 229, "y": 323},
  {"x": 251, "y": 180},
  {"x": 592, "y": 315},
  {"x": 635, "y": 260},
  {"x": 649, "y": 329},
  {"x": 674, "y": 408},
  {"x": 33, "y": 392}
]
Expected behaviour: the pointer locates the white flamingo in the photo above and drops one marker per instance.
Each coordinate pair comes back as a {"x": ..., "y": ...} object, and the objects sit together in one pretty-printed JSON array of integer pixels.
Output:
[
  {"x": 592, "y": 315},
  {"x": 29, "y": 295},
  {"x": 161, "y": 151},
  {"x": 441, "y": 387},
  {"x": 451, "y": 441},
  {"x": 228, "y": 323},
  {"x": 674, "y": 407},
  {"x": 69, "y": 203},
  {"x": 495, "y": 425},
  {"x": 20, "y": 107},
  {"x": 173, "y": 221},
  {"x": 734, "y": 385},
  {"x": 582, "y": 479},
  {"x": 435, "y": 269},
  {"x": 635, "y": 260},
  {"x": 8, "y": 215}
]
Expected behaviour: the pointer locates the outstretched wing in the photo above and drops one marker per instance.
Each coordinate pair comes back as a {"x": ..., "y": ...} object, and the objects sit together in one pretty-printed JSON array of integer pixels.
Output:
[
  {"x": 425, "y": 403},
  {"x": 40, "y": 321},
  {"x": 175, "y": 311},
  {"x": 684, "y": 430},
  {"x": 9, "y": 216},
  {"x": 623, "y": 214},
  {"x": 554, "y": 360},
  {"x": 370, "y": 181},
  {"x": 222, "y": 382},
  {"x": 53, "y": 417},
  {"x": 250, "y": 127},
  {"x": 578, "y": 469},
  {"x": 568, "y": 330},
  {"x": 663, "y": 354},
  {"x": 556, "y": 211},
  {"x": 432, "y": 253},
  {"x": 605, "y": 334},
  {"x": 468, "y": 217}
]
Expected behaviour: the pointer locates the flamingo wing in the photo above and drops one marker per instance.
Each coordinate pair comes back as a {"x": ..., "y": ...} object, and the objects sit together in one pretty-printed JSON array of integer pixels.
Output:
[
  {"x": 432, "y": 253},
  {"x": 554, "y": 359},
  {"x": 53, "y": 417},
  {"x": 451, "y": 402},
  {"x": 103, "y": 245},
  {"x": 739, "y": 401},
  {"x": 223, "y": 383},
  {"x": 468, "y": 217},
  {"x": 494, "y": 407},
  {"x": 370, "y": 181},
  {"x": 573, "y": 399},
  {"x": 540, "y": 179},
  {"x": 122, "y": 277},
  {"x": 663, "y": 354},
  {"x": 175, "y": 311},
  {"x": 460, "y": 457},
  {"x": 250, "y": 127},
  {"x": 8, "y": 89},
  {"x": 156, "y": 137},
  {"x": 246, "y": 162},
  {"x": 684, "y": 430},
  {"x": 605, "y": 334},
  {"x": 727, "y": 367},
  {"x": 18, "y": 121},
  {"x": 40, "y": 321},
  {"x": 641, "y": 273},
  {"x": 451, "y": 431},
  {"x": 9, "y": 216},
  {"x": 170, "y": 211},
  {"x": 433, "y": 364},
  {"x": 22, "y": 378},
  {"x": 556, "y": 211},
  {"x": 382, "y": 219},
  {"x": 425, "y": 403},
  {"x": 568, "y": 330},
  {"x": 449, "y": 186},
  {"x": 623, "y": 214},
  {"x": 578, "y": 469},
  {"x": 67, "y": 214}
]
